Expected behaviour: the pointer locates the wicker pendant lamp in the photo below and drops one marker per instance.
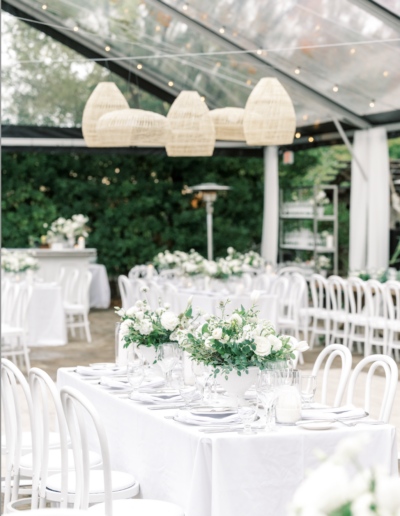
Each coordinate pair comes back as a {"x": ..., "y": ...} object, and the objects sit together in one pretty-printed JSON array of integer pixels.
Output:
[
  {"x": 132, "y": 127},
  {"x": 106, "y": 97},
  {"x": 269, "y": 117},
  {"x": 192, "y": 128},
  {"x": 228, "y": 123}
]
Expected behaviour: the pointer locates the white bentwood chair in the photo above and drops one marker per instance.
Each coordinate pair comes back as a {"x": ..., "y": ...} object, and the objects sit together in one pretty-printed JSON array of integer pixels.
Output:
[
  {"x": 377, "y": 317},
  {"x": 392, "y": 291},
  {"x": 80, "y": 307},
  {"x": 332, "y": 351},
  {"x": 319, "y": 311},
  {"x": 138, "y": 271},
  {"x": 290, "y": 321},
  {"x": 392, "y": 373},
  {"x": 113, "y": 498},
  {"x": 14, "y": 330},
  {"x": 339, "y": 313},
  {"x": 126, "y": 290}
]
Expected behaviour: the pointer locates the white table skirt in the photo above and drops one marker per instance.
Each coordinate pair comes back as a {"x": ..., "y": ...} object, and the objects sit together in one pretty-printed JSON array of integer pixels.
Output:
[
  {"x": 99, "y": 294},
  {"x": 46, "y": 318},
  {"x": 221, "y": 474}
]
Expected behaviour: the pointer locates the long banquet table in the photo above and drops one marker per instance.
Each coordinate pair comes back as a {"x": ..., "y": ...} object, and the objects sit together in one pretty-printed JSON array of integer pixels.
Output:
[{"x": 216, "y": 474}]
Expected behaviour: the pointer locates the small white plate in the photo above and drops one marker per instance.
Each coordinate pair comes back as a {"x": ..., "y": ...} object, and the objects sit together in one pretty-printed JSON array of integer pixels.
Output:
[
  {"x": 103, "y": 365},
  {"x": 318, "y": 425},
  {"x": 213, "y": 411}
]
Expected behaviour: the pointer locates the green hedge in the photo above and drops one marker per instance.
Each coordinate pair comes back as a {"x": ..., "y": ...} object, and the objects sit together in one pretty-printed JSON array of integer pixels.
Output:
[{"x": 141, "y": 211}]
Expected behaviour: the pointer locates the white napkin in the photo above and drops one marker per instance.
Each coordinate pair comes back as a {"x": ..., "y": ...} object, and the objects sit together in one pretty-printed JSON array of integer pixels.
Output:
[
  {"x": 88, "y": 371},
  {"x": 218, "y": 419},
  {"x": 123, "y": 384},
  {"x": 156, "y": 398},
  {"x": 346, "y": 411}
]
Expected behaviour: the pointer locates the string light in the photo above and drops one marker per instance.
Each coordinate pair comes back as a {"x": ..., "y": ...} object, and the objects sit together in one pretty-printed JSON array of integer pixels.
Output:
[
  {"x": 76, "y": 29},
  {"x": 44, "y": 7},
  {"x": 385, "y": 74},
  {"x": 297, "y": 71},
  {"x": 259, "y": 52},
  {"x": 185, "y": 7},
  {"x": 372, "y": 103},
  {"x": 222, "y": 30},
  {"x": 203, "y": 98},
  {"x": 117, "y": 170},
  {"x": 305, "y": 117},
  {"x": 317, "y": 27},
  {"x": 139, "y": 66},
  {"x": 248, "y": 81},
  {"x": 335, "y": 88},
  {"x": 311, "y": 139},
  {"x": 157, "y": 28},
  {"x": 353, "y": 51},
  {"x": 235, "y": 34},
  {"x": 107, "y": 49},
  {"x": 126, "y": 11},
  {"x": 298, "y": 135},
  {"x": 170, "y": 83},
  {"x": 218, "y": 64}
]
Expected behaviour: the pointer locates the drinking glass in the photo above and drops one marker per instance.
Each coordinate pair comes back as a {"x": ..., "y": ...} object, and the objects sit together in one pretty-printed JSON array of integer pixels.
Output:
[
  {"x": 135, "y": 374},
  {"x": 247, "y": 411},
  {"x": 308, "y": 388},
  {"x": 188, "y": 392},
  {"x": 267, "y": 389},
  {"x": 202, "y": 374},
  {"x": 168, "y": 356},
  {"x": 117, "y": 329}
]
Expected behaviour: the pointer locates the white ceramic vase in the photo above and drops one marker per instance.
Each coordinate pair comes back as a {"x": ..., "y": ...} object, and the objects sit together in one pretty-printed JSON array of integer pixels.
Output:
[
  {"x": 236, "y": 385},
  {"x": 150, "y": 354}
]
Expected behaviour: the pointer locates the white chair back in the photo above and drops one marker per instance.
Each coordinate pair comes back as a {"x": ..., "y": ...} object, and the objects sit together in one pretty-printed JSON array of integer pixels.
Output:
[
  {"x": 338, "y": 294},
  {"x": 43, "y": 388},
  {"x": 392, "y": 290},
  {"x": 155, "y": 294},
  {"x": 297, "y": 290},
  {"x": 392, "y": 373},
  {"x": 376, "y": 302},
  {"x": 357, "y": 292},
  {"x": 280, "y": 288},
  {"x": 287, "y": 271},
  {"x": 319, "y": 292},
  {"x": 126, "y": 290},
  {"x": 83, "y": 288},
  {"x": 137, "y": 284},
  {"x": 68, "y": 283},
  {"x": 332, "y": 351},
  {"x": 76, "y": 406},
  {"x": 11, "y": 376},
  {"x": 262, "y": 282},
  {"x": 8, "y": 298},
  {"x": 138, "y": 271}
]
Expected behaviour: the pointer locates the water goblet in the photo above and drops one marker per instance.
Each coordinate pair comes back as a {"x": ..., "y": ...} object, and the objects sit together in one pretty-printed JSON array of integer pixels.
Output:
[
  {"x": 202, "y": 374},
  {"x": 168, "y": 356},
  {"x": 308, "y": 388},
  {"x": 247, "y": 412},
  {"x": 267, "y": 390},
  {"x": 135, "y": 375},
  {"x": 187, "y": 392}
]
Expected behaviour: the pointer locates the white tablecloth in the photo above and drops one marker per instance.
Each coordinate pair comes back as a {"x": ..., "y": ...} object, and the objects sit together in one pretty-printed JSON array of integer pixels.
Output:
[
  {"x": 46, "y": 324},
  {"x": 99, "y": 294},
  {"x": 221, "y": 474}
]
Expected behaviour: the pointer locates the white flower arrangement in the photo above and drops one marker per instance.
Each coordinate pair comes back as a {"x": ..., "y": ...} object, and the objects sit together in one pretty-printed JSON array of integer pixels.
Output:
[
  {"x": 331, "y": 491},
  {"x": 321, "y": 199},
  {"x": 146, "y": 327},
  {"x": 237, "y": 342},
  {"x": 17, "y": 261},
  {"x": 323, "y": 262},
  {"x": 68, "y": 228}
]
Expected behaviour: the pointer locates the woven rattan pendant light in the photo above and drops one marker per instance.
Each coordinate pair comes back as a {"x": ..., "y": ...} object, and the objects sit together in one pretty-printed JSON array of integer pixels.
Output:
[
  {"x": 132, "y": 127},
  {"x": 228, "y": 123},
  {"x": 106, "y": 97},
  {"x": 269, "y": 117},
  {"x": 192, "y": 128}
]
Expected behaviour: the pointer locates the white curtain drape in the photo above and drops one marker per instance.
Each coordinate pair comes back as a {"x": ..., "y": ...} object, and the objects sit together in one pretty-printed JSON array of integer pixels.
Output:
[
  {"x": 269, "y": 244},
  {"x": 369, "y": 201}
]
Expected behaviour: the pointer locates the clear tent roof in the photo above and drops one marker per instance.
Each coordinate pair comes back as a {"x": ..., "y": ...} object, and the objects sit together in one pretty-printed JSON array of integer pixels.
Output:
[{"x": 335, "y": 48}]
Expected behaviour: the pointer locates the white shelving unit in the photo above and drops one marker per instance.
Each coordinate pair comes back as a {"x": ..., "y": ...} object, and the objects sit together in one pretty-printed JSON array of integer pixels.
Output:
[{"x": 310, "y": 212}]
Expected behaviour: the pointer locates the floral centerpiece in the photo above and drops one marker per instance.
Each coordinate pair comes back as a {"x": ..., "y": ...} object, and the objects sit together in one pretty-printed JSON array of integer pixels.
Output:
[
  {"x": 148, "y": 328},
  {"x": 331, "y": 491},
  {"x": 68, "y": 228},
  {"x": 17, "y": 261}
]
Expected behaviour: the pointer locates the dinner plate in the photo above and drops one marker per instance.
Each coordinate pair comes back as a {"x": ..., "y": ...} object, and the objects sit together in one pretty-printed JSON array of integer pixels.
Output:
[
  {"x": 103, "y": 365},
  {"x": 218, "y": 422},
  {"x": 317, "y": 425},
  {"x": 212, "y": 411}
]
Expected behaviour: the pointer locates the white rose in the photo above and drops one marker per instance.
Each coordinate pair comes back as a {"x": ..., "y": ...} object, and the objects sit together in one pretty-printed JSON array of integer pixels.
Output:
[
  {"x": 132, "y": 310},
  {"x": 139, "y": 304},
  {"x": 226, "y": 338},
  {"x": 235, "y": 318},
  {"x": 387, "y": 494},
  {"x": 139, "y": 315},
  {"x": 146, "y": 327},
  {"x": 255, "y": 296},
  {"x": 169, "y": 321},
  {"x": 206, "y": 317},
  {"x": 247, "y": 327},
  {"x": 208, "y": 343},
  {"x": 217, "y": 333},
  {"x": 230, "y": 250},
  {"x": 275, "y": 342},
  {"x": 121, "y": 312},
  {"x": 263, "y": 346},
  {"x": 160, "y": 310},
  {"x": 362, "y": 505},
  {"x": 124, "y": 329},
  {"x": 299, "y": 346},
  {"x": 167, "y": 306},
  {"x": 189, "y": 302}
]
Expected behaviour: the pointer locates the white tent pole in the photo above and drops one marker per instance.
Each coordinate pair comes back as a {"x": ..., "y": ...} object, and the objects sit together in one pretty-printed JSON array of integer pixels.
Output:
[
  {"x": 269, "y": 243},
  {"x": 348, "y": 145}
]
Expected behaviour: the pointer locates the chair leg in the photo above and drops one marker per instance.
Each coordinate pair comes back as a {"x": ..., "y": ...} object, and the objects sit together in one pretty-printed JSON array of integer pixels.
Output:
[
  {"x": 87, "y": 329},
  {"x": 301, "y": 358},
  {"x": 71, "y": 320},
  {"x": 26, "y": 354},
  {"x": 7, "y": 490},
  {"x": 15, "y": 490}
]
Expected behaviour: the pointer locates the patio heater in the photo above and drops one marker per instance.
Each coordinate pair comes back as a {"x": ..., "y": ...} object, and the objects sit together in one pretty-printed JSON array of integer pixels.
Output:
[{"x": 209, "y": 194}]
